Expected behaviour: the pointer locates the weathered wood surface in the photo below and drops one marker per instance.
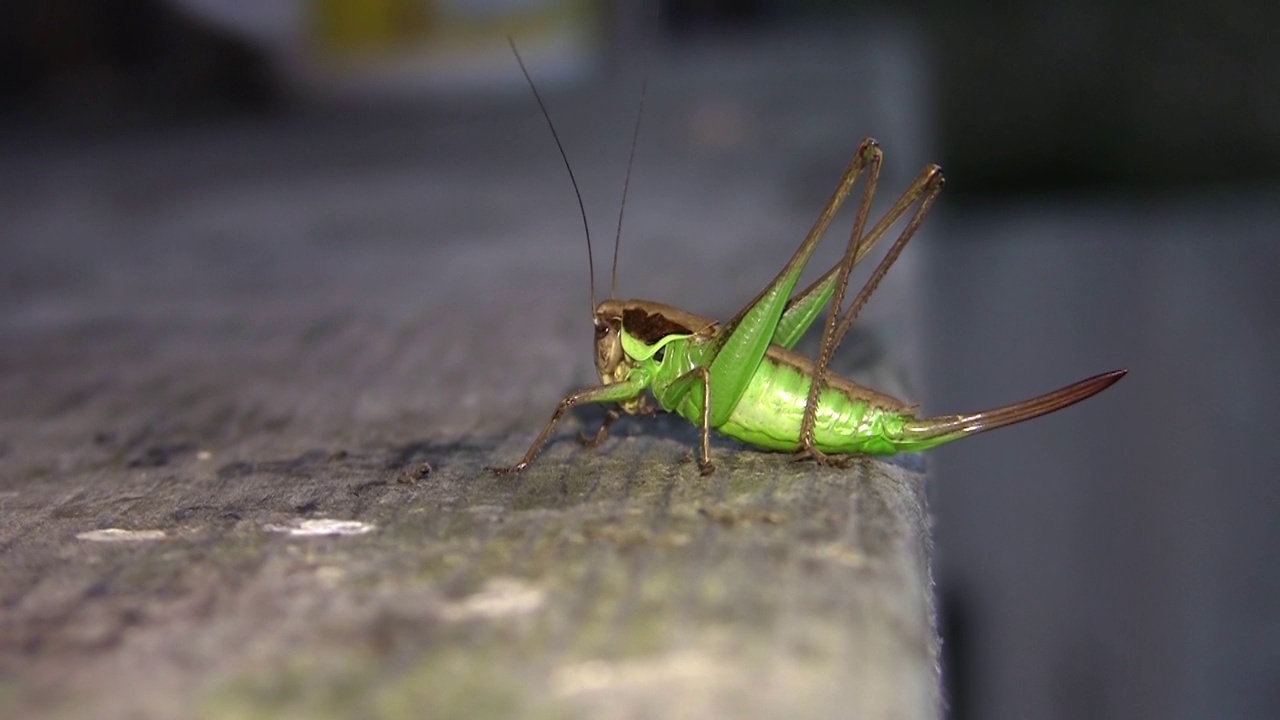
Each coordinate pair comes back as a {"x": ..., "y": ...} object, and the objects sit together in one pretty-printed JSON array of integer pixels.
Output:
[{"x": 233, "y": 364}]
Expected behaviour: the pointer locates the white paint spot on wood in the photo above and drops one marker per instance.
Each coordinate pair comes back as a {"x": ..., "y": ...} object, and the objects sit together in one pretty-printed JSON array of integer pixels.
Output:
[
  {"x": 322, "y": 526},
  {"x": 500, "y": 598},
  {"x": 330, "y": 574},
  {"x": 120, "y": 535},
  {"x": 688, "y": 668}
]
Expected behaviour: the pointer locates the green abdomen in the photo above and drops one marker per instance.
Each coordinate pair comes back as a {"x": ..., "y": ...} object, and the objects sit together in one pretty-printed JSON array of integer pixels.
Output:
[{"x": 772, "y": 408}]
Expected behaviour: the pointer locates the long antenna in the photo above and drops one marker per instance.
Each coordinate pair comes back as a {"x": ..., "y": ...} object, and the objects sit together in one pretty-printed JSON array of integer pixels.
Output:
[
  {"x": 582, "y": 209},
  {"x": 626, "y": 182}
]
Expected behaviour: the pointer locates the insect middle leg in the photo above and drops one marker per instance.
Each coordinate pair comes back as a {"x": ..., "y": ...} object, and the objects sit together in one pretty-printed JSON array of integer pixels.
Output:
[{"x": 680, "y": 384}]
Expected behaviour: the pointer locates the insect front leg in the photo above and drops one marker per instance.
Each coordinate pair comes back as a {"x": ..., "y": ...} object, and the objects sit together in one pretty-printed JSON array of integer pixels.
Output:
[{"x": 599, "y": 394}]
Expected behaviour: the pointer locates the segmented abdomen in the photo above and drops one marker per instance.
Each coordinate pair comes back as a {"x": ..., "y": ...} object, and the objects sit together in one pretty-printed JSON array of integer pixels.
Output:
[{"x": 772, "y": 408}]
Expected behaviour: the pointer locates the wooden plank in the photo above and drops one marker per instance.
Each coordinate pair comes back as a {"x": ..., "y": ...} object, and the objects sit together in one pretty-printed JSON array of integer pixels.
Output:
[
  {"x": 614, "y": 581},
  {"x": 215, "y": 360}
]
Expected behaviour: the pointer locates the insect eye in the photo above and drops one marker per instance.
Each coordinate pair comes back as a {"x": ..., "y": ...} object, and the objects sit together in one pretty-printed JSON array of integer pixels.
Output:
[{"x": 601, "y": 331}]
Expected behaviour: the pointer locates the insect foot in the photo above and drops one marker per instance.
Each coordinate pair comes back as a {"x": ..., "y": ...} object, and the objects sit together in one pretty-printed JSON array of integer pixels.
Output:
[
  {"x": 706, "y": 468},
  {"x": 844, "y": 462},
  {"x": 590, "y": 441},
  {"x": 513, "y": 470}
]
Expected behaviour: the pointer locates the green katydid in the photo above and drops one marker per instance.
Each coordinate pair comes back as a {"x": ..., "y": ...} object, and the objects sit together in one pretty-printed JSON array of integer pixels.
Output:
[{"x": 742, "y": 378}]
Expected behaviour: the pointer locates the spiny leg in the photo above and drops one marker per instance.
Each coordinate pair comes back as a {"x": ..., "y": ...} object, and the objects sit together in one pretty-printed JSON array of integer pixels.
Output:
[
  {"x": 599, "y": 394},
  {"x": 738, "y": 348},
  {"x": 866, "y": 148},
  {"x": 928, "y": 184},
  {"x": 804, "y": 306},
  {"x": 808, "y": 448}
]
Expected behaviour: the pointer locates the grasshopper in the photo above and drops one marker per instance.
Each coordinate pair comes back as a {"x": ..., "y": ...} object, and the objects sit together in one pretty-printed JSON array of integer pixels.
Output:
[{"x": 741, "y": 377}]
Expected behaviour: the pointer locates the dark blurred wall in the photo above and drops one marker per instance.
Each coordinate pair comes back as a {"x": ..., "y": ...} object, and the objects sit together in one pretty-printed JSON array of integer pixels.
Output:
[
  {"x": 1107, "y": 93},
  {"x": 103, "y": 64},
  {"x": 1032, "y": 96},
  {"x": 1094, "y": 94}
]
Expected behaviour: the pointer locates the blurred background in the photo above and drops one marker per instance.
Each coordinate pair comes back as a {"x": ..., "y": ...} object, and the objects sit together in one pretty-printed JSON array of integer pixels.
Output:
[{"x": 1113, "y": 185}]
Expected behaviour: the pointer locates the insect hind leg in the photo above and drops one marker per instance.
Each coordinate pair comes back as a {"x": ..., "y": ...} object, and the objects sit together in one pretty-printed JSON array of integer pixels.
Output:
[{"x": 925, "y": 189}]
